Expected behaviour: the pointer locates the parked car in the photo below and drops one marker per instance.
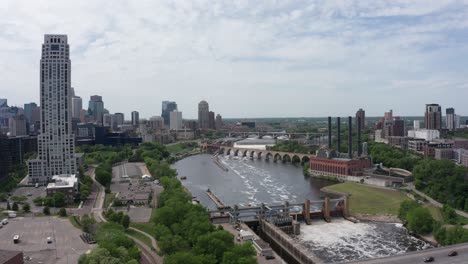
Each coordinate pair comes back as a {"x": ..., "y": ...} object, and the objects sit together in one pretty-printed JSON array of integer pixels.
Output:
[
  {"x": 452, "y": 254},
  {"x": 49, "y": 240},
  {"x": 16, "y": 239},
  {"x": 4, "y": 221},
  {"x": 429, "y": 259}
]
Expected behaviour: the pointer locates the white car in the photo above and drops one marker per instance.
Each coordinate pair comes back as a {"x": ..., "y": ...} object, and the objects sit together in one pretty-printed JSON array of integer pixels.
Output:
[
  {"x": 49, "y": 240},
  {"x": 16, "y": 239},
  {"x": 4, "y": 221}
]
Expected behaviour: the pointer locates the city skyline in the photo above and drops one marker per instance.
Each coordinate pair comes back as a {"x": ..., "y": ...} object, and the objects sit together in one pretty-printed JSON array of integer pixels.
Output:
[{"x": 330, "y": 58}]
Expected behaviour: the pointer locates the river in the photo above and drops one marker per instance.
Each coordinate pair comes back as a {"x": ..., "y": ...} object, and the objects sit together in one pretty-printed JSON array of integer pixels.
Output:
[{"x": 254, "y": 181}]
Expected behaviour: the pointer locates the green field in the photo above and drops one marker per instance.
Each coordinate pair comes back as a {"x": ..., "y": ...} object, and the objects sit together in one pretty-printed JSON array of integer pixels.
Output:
[
  {"x": 369, "y": 200},
  {"x": 148, "y": 228},
  {"x": 108, "y": 199},
  {"x": 435, "y": 212}
]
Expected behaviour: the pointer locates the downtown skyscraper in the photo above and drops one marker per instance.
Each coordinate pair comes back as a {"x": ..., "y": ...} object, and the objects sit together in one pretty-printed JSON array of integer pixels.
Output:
[{"x": 56, "y": 145}]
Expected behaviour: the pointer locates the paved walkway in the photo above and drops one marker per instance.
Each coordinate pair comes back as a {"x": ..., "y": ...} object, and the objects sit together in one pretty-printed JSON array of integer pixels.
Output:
[{"x": 434, "y": 202}]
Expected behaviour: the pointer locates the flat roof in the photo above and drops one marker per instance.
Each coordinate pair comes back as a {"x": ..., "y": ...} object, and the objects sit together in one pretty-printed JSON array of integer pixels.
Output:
[{"x": 6, "y": 255}]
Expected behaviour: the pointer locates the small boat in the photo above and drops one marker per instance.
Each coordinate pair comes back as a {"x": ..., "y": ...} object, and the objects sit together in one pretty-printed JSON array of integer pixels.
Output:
[{"x": 183, "y": 177}]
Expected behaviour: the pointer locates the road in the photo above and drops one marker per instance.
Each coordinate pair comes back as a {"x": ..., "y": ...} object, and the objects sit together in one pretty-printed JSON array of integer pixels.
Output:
[
  {"x": 439, "y": 254},
  {"x": 434, "y": 202}
]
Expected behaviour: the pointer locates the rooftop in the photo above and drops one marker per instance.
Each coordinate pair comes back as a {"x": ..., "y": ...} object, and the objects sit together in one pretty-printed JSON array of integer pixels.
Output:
[{"x": 63, "y": 181}]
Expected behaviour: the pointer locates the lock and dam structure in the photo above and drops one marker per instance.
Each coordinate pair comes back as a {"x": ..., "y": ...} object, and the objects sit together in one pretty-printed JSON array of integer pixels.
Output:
[{"x": 277, "y": 222}]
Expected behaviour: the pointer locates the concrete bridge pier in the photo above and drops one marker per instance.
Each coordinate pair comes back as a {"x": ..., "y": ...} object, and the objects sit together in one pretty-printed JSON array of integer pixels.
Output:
[
  {"x": 326, "y": 209},
  {"x": 346, "y": 206},
  {"x": 306, "y": 211}
]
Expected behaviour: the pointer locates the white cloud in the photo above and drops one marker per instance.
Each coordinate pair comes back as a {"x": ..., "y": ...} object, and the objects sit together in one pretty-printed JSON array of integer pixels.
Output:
[{"x": 247, "y": 58}]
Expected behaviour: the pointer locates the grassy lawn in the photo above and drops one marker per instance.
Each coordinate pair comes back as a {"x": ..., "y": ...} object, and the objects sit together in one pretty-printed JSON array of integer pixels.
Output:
[
  {"x": 108, "y": 199},
  {"x": 145, "y": 227},
  {"x": 435, "y": 212},
  {"x": 75, "y": 221},
  {"x": 139, "y": 236},
  {"x": 370, "y": 200},
  {"x": 175, "y": 149}
]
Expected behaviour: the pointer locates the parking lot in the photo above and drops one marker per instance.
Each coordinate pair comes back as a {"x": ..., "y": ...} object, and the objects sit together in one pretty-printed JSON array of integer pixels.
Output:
[
  {"x": 66, "y": 246},
  {"x": 133, "y": 184},
  {"x": 30, "y": 193}
]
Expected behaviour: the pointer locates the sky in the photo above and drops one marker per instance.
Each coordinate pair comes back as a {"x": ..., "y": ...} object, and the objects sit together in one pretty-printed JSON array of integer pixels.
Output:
[{"x": 246, "y": 58}]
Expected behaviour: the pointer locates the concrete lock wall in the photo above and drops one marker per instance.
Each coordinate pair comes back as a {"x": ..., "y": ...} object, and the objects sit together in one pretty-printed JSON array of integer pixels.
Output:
[{"x": 294, "y": 249}]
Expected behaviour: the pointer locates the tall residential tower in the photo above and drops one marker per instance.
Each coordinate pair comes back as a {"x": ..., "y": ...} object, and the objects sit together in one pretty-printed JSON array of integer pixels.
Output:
[
  {"x": 56, "y": 145},
  {"x": 203, "y": 115},
  {"x": 433, "y": 117}
]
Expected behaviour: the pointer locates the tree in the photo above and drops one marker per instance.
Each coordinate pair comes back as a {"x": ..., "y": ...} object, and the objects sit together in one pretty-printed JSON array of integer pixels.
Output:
[
  {"x": 240, "y": 254},
  {"x": 405, "y": 207},
  {"x": 8, "y": 205},
  {"x": 62, "y": 212},
  {"x": 125, "y": 221},
  {"x": 86, "y": 223},
  {"x": 450, "y": 216},
  {"x": 420, "y": 220},
  {"x": 14, "y": 207},
  {"x": 46, "y": 210},
  {"x": 214, "y": 243},
  {"x": 59, "y": 199},
  {"x": 26, "y": 207}
]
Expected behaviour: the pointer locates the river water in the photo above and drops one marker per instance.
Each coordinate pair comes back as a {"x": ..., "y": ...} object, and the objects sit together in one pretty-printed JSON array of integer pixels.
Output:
[{"x": 254, "y": 181}]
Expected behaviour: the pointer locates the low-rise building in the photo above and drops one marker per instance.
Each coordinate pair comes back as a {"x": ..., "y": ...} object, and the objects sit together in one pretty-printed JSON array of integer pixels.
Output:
[
  {"x": 65, "y": 183},
  {"x": 464, "y": 158},
  {"x": 339, "y": 166},
  {"x": 11, "y": 257},
  {"x": 426, "y": 134},
  {"x": 443, "y": 154},
  {"x": 416, "y": 144}
]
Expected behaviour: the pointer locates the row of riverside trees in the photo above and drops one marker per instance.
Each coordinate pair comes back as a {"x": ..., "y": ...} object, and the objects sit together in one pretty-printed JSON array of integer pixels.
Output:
[
  {"x": 183, "y": 230},
  {"x": 443, "y": 181},
  {"x": 419, "y": 220},
  {"x": 185, "y": 234}
]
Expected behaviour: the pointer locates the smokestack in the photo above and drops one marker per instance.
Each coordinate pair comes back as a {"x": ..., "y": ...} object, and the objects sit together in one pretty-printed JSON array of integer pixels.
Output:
[
  {"x": 350, "y": 138},
  {"x": 359, "y": 146},
  {"x": 338, "y": 124},
  {"x": 329, "y": 133}
]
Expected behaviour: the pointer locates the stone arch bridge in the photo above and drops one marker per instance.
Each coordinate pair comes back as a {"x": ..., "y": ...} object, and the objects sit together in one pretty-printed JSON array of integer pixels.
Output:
[{"x": 259, "y": 154}]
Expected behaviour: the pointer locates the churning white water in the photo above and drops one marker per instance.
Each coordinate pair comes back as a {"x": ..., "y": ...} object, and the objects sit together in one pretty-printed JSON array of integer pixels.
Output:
[{"x": 342, "y": 240}]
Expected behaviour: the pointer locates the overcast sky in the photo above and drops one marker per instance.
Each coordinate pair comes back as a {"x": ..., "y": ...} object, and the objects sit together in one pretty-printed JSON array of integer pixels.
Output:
[{"x": 246, "y": 58}]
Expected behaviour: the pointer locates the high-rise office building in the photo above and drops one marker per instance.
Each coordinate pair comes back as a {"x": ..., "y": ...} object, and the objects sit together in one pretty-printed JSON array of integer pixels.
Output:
[
  {"x": 56, "y": 143},
  {"x": 3, "y": 102},
  {"x": 203, "y": 115},
  {"x": 433, "y": 116},
  {"x": 135, "y": 118},
  {"x": 388, "y": 115},
  {"x": 211, "y": 120},
  {"x": 107, "y": 120},
  {"x": 17, "y": 126},
  {"x": 450, "y": 118},
  {"x": 176, "y": 120},
  {"x": 167, "y": 108},
  {"x": 360, "y": 114},
  {"x": 77, "y": 105},
  {"x": 219, "y": 121},
  {"x": 117, "y": 121},
  {"x": 96, "y": 108},
  {"x": 156, "y": 122},
  {"x": 28, "y": 111}
]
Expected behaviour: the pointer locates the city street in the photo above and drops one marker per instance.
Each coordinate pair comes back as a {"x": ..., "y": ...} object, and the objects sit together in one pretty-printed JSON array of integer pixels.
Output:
[{"x": 440, "y": 256}]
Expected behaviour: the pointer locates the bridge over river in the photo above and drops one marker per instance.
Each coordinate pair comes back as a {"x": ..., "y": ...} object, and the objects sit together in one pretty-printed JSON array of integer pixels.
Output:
[{"x": 259, "y": 154}]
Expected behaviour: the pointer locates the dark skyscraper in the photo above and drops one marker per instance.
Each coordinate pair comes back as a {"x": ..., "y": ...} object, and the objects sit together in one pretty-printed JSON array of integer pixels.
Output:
[
  {"x": 135, "y": 118},
  {"x": 433, "y": 116},
  {"x": 360, "y": 114},
  {"x": 167, "y": 108},
  {"x": 203, "y": 115}
]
